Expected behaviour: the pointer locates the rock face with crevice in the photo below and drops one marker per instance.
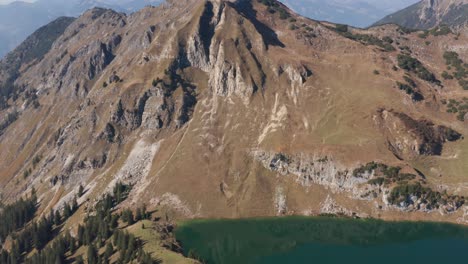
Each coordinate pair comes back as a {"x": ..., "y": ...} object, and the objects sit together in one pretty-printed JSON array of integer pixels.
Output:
[{"x": 229, "y": 109}]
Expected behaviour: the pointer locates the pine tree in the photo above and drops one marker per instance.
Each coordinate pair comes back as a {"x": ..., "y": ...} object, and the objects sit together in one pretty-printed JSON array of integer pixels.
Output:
[
  {"x": 58, "y": 260},
  {"x": 67, "y": 211},
  {"x": 80, "y": 190},
  {"x": 57, "y": 218},
  {"x": 138, "y": 215},
  {"x": 92, "y": 255},
  {"x": 74, "y": 206},
  {"x": 146, "y": 215},
  {"x": 114, "y": 221},
  {"x": 109, "y": 251},
  {"x": 103, "y": 230},
  {"x": 71, "y": 241},
  {"x": 127, "y": 216},
  {"x": 15, "y": 254},
  {"x": 79, "y": 260},
  {"x": 4, "y": 256},
  {"x": 17, "y": 215},
  {"x": 80, "y": 235}
]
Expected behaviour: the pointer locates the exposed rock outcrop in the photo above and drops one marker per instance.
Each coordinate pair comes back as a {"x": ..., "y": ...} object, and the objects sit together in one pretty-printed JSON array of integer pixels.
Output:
[
  {"x": 408, "y": 137},
  {"x": 313, "y": 169}
]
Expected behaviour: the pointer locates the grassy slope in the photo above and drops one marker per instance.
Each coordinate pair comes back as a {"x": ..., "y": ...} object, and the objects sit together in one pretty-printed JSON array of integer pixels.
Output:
[{"x": 153, "y": 244}]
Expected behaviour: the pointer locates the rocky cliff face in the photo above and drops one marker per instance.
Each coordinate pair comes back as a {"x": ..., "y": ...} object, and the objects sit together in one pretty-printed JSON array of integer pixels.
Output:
[
  {"x": 430, "y": 13},
  {"x": 234, "y": 108}
]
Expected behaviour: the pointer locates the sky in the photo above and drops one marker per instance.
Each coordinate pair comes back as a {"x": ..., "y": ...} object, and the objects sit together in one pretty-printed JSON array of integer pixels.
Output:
[{"x": 3, "y": 2}]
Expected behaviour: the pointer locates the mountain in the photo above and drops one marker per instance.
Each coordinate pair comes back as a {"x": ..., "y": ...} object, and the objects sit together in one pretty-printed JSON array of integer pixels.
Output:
[
  {"x": 429, "y": 13},
  {"x": 19, "y": 19},
  {"x": 29, "y": 52},
  {"x": 211, "y": 108},
  {"x": 13, "y": 30},
  {"x": 358, "y": 13}
]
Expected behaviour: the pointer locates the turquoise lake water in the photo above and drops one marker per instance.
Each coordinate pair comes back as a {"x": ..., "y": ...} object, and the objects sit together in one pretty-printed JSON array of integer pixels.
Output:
[{"x": 323, "y": 240}]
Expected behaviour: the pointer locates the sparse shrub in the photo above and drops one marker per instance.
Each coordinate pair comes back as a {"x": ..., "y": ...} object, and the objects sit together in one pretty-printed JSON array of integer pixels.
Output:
[
  {"x": 411, "y": 64},
  {"x": 283, "y": 14},
  {"x": 441, "y": 30},
  {"x": 405, "y": 49},
  {"x": 10, "y": 117},
  {"x": 406, "y": 187},
  {"x": 363, "y": 38},
  {"x": 341, "y": 28},
  {"x": 377, "y": 181},
  {"x": 36, "y": 160},
  {"x": 452, "y": 59},
  {"x": 424, "y": 35},
  {"x": 433, "y": 199},
  {"x": 410, "y": 81},
  {"x": 463, "y": 84},
  {"x": 447, "y": 76},
  {"x": 405, "y": 30},
  {"x": 460, "y": 73},
  {"x": 26, "y": 173},
  {"x": 274, "y": 7},
  {"x": 405, "y": 87},
  {"x": 387, "y": 39},
  {"x": 376, "y": 72}
]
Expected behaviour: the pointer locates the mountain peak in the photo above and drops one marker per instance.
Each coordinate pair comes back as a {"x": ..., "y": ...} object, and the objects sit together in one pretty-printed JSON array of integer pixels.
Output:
[{"x": 430, "y": 13}]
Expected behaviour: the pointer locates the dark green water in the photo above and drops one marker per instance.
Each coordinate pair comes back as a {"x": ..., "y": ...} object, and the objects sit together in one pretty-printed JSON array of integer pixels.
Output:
[{"x": 323, "y": 240}]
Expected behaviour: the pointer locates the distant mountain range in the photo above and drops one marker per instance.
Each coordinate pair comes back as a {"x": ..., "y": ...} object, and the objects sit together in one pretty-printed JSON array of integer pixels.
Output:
[
  {"x": 430, "y": 13},
  {"x": 359, "y": 13},
  {"x": 19, "y": 19}
]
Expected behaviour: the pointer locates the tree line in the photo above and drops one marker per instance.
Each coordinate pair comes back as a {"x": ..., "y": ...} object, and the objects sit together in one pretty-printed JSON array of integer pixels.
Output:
[
  {"x": 99, "y": 232},
  {"x": 17, "y": 215}
]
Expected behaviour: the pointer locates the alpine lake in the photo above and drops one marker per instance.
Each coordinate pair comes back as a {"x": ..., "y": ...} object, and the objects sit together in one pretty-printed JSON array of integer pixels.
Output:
[{"x": 322, "y": 240}]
